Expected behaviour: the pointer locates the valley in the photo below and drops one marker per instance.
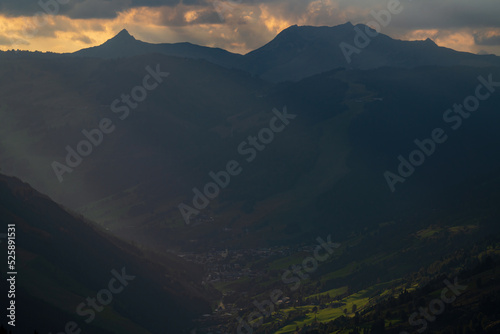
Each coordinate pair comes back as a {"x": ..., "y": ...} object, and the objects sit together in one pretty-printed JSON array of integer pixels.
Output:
[{"x": 282, "y": 191}]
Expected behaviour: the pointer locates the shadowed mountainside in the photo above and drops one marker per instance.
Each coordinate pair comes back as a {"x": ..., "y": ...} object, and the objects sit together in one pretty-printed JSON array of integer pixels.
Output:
[
  {"x": 62, "y": 259},
  {"x": 350, "y": 128}
]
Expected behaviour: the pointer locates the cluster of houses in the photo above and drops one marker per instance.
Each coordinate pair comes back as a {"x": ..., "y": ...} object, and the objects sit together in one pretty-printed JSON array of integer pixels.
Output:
[{"x": 231, "y": 265}]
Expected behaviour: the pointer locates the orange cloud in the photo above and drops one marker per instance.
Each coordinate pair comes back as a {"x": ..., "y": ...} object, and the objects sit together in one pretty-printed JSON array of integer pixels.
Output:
[
  {"x": 62, "y": 34},
  {"x": 273, "y": 23},
  {"x": 238, "y": 28}
]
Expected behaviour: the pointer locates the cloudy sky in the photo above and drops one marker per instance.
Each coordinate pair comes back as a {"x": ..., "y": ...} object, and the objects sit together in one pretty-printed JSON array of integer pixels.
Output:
[{"x": 237, "y": 25}]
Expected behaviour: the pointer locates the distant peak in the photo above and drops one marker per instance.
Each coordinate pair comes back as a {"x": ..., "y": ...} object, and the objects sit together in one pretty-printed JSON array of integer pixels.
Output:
[
  {"x": 124, "y": 32},
  {"x": 123, "y": 36},
  {"x": 290, "y": 28},
  {"x": 430, "y": 42}
]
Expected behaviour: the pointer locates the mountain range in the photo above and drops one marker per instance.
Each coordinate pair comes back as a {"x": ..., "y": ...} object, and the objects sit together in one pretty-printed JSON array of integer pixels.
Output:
[
  {"x": 406, "y": 109},
  {"x": 193, "y": 123},
  {"x": 299, "y": 52}
]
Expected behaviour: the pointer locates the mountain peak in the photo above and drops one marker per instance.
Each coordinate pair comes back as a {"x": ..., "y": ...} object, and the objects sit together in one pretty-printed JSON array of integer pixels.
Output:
[
  {"x": 430, "y": 41},
  {"x": 123, "y": 36}
]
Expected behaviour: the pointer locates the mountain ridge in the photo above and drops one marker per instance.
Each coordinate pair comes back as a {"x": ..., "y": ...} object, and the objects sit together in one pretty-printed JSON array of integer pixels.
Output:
[
  {"x": 123, "y": 36},
  {"x": 298, "y": 52},
  {"x": 125, "y": 45}
]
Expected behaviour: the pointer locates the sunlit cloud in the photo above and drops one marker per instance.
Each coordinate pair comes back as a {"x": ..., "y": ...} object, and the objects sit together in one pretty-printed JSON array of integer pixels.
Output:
[
  {"x": 462, "y": 41},
  {"x": 273, "y": 23},
  {"x": 488, "y": 37}
]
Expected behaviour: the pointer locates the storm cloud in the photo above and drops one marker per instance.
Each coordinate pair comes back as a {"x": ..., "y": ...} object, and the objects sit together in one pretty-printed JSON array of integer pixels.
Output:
[{"x": 243, "y": 25}]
